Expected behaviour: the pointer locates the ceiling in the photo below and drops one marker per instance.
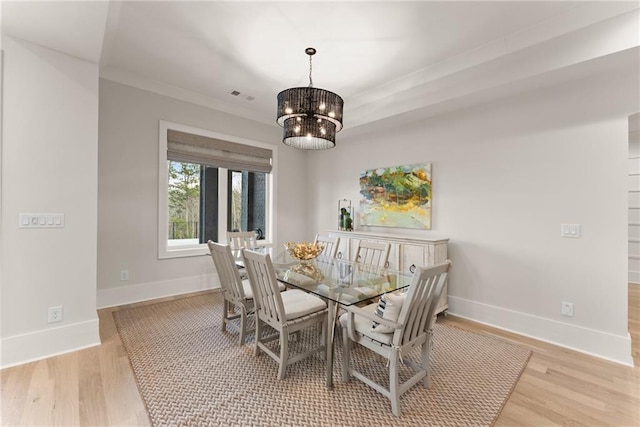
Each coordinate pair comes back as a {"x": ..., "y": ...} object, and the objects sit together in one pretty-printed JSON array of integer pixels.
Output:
[{"x": 383, "y": 58}]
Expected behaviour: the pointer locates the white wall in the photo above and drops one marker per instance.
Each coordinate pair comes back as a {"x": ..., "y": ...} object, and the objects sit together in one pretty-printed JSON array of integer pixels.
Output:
[
  {"x": 505, "y": 176},
  {"x": 128, "y": 192},
  {"x": 49, "y": 165}
]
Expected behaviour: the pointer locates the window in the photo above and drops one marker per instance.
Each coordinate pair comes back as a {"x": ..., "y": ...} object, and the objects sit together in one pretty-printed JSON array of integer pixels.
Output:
[{"x": 210, "y": 184}]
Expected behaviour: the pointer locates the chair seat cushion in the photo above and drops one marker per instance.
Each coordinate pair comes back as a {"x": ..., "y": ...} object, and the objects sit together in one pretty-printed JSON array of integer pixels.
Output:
[
  {"x": 248, "y": 292},
  {"x": 363, "y": 326},
  {"x": 298, "y": 303}
]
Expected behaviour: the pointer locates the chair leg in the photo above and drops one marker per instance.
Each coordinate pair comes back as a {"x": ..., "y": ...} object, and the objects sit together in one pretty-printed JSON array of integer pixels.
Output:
[
  {"x": 256, "y": 350},
  {"x": 426, "y": 356},
  {"x": 346, "y": 355},
  {"x": 393, "y": 383},
  {"x": 243, "y": 323},
  {"x": 284, "y": 353},
  {"x": 224, "y": 315}
]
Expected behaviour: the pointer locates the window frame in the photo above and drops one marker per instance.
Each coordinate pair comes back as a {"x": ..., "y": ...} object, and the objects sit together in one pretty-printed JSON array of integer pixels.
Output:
[{"x": 164, "y": 252}]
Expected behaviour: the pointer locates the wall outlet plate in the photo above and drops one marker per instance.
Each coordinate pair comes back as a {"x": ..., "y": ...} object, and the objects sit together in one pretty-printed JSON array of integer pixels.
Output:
[
  {"x": 567, "y": 309},
  {"x": 55, "y": 314}
]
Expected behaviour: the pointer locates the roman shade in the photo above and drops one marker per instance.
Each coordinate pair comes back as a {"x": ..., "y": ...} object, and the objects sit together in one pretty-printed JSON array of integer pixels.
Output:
[{"x": 190, "y": 148}]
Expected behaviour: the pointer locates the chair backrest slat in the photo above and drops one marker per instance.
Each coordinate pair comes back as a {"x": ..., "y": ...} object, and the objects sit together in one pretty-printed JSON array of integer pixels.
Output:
[
  {"x": 418, "y": 311},
  {"x": 230, "y": 280},
  {"x": 330, "y": 243},
  {"x": 372, "y": 253},
  {"x": 264, "y": 284}
]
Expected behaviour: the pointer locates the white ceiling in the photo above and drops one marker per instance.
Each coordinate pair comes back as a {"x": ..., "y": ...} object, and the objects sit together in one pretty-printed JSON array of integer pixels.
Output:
[{"x": 383, "y": 58}]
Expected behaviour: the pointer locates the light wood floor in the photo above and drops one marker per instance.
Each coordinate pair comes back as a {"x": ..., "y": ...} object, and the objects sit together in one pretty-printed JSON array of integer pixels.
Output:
[{"x": 95, "y": 387}]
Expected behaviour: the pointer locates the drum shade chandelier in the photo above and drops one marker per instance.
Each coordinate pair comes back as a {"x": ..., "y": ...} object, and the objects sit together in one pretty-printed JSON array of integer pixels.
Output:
[{"x": 310, "y": 116}]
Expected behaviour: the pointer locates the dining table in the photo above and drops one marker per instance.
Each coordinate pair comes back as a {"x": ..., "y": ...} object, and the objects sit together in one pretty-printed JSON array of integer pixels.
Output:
[{"x": 339, "y": 282}]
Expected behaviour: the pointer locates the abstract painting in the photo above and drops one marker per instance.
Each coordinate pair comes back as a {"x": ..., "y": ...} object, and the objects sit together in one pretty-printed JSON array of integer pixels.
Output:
[{"x": 398, "y": 196}]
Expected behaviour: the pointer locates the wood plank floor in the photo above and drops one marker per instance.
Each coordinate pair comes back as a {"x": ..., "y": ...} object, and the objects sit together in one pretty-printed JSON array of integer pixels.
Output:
[{"x": 95, "y": 387}]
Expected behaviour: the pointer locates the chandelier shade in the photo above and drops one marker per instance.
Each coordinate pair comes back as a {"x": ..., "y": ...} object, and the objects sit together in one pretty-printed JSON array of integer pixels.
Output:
[
  {"x": 309, "y": 134},
  {"x": 310, "y": 116}
]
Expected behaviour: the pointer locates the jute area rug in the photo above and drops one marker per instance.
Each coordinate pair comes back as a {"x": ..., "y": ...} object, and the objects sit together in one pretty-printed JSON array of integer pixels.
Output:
[{"x": 190, "y": 373}]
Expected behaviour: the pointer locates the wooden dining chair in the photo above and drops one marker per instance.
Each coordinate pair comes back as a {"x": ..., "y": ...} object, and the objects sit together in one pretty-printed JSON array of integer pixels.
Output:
[
  {"x": 287, "y": 312},
  {"x": 372, "y": 253},
  {"x": 395, "y": 339},
  {"x": 238, "y": 294},
  {"x": 331, "y": 245},
  {"x": 239, "y": 240}
]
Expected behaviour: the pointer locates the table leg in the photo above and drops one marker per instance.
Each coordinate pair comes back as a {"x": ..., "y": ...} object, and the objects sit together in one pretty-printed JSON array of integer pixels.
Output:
[{"x": 331, "y": 327}]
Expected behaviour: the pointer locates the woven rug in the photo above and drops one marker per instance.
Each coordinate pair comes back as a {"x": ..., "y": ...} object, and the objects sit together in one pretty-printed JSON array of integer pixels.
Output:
[{"x": 190, "y": 373}]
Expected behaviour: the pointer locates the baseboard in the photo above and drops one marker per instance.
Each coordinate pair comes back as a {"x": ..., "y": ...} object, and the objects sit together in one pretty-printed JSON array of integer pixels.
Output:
[
  {"x": 634, "y": 277},
  {"x": 25, "y": 348},
  {"x": 596, "y": 343},
  {"x": 121, "y": 295}
]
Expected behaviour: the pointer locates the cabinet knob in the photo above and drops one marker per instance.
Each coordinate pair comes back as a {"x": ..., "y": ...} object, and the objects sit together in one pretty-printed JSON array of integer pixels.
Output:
[
  {"x": 412, "y": 268},
  {"x": 386, "y": 264},
  {"x": 339, "y": 255}
]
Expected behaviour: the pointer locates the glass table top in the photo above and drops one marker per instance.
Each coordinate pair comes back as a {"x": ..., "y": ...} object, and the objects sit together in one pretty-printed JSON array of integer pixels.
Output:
[{"x": 342, "y": 281}]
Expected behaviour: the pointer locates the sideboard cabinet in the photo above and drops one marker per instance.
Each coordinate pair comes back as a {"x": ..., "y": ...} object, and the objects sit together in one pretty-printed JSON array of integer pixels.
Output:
[{"x": 406, "y": 253}]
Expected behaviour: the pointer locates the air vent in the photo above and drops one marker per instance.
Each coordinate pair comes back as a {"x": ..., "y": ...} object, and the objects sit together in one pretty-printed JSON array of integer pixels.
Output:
[{"x": 246, "y": 97}]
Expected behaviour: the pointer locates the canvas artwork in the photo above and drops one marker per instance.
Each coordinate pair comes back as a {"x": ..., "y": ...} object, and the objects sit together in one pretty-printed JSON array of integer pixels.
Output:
[{"x": 398, "y": 196}]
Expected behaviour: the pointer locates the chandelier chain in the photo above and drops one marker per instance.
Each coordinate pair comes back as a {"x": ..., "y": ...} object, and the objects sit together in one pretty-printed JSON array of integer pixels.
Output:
[{"x": 310, "y": 68}]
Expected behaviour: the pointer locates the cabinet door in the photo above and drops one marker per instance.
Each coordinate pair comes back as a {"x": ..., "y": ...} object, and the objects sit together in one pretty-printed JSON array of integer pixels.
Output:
[
  {"x": 394, "y": 256},
  {"x": 343, "y": 248},
  {"x": 353, "y": 247},
  {"x": 443, "y": 304},
  {"x": 437, "y": 253},
  {"x": 412, "y": 256}
]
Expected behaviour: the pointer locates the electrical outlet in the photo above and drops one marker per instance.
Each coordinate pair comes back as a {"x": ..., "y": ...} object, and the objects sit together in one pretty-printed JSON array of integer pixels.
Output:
[
  {"x": 572, "y": 231},
  {"x": 55, "y": 314},
  {"x": 124, "y": 275},
  {"x": 567, "y": 309}
]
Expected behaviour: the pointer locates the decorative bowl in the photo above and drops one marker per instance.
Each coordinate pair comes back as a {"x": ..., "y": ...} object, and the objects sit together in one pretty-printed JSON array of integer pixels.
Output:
[{"x": 304, "y": 251}]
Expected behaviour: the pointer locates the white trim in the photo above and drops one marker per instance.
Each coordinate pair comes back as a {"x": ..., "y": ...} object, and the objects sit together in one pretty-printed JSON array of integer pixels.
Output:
[
  {"x": 634, "y": 277},
  {"x": 223, "y": 194},
  {"x": 201, "y": 249},
  {"x": 45, "y": 343},
  {"x": 121, "y": 295},
  {"x": 615, "y": 348}
]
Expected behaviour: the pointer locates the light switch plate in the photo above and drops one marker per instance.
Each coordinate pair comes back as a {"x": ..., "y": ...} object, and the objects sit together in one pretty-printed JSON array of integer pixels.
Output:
[{"x": 41, "y": 220}]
